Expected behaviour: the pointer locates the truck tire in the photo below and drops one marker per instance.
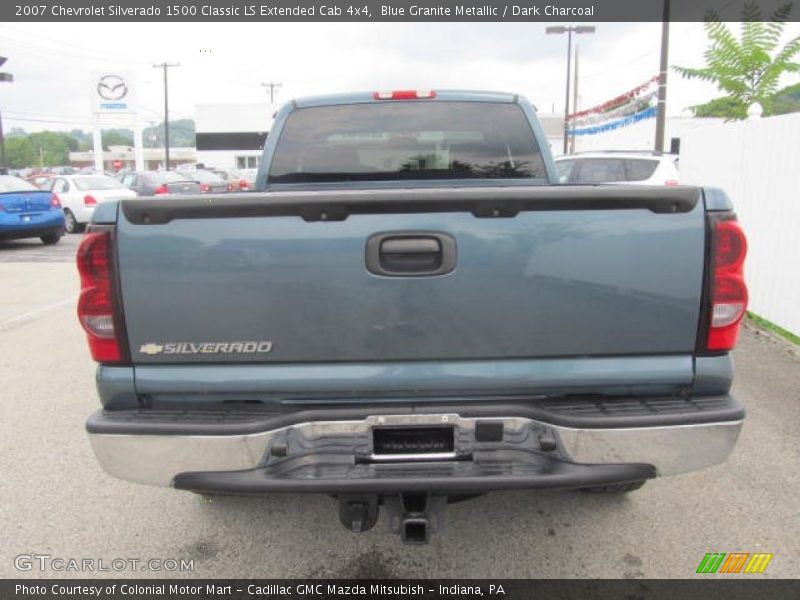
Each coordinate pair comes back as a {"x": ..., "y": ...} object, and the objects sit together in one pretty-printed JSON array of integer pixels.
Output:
[{"x": 615, "y": 488}]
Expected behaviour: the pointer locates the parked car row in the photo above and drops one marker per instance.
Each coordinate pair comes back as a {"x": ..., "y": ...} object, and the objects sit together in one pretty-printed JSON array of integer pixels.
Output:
[
  {"x": 79, "y": 191},
  {"x": 46, "y": 203},
  {"x": 209, "y": 180}
]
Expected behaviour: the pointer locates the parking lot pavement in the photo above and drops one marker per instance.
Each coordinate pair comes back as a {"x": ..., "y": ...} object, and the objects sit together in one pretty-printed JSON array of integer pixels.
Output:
[
  {"x": 33, "y": 250},
  {"x": 35, "y": 279},
  {"x": 56, "y": 500}
]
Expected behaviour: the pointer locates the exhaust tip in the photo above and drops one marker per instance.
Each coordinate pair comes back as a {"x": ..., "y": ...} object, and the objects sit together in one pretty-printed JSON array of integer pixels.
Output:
[{"x": 416, "y": 531}]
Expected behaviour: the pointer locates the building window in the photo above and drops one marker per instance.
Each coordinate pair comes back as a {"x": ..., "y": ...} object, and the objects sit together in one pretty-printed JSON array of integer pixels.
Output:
[{"x": 247, "y": 162}]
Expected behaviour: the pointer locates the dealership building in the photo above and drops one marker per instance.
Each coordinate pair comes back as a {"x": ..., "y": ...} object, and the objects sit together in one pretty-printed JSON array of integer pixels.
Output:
[
  {"x": 116, "y": 158},
  {"x": 231, "y": 136}
]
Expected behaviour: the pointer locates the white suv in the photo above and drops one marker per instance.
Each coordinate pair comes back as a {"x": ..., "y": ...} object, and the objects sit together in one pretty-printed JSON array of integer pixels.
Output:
[{"x": 641, "y": 168}]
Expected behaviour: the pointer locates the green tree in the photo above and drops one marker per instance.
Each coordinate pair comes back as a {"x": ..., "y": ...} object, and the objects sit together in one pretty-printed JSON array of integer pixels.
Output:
[
  {"x": 747, "y": 69},
  {"x": 20, "y": 152},
  {"x": 117, "y": 137},
  {"x": 16, "y": 132},
  {"x": 181, "y": 133},
  {"x": 52, "y": 147},
  {"x": 787, "y": 100},
  {"x": 43, "y": 148}
]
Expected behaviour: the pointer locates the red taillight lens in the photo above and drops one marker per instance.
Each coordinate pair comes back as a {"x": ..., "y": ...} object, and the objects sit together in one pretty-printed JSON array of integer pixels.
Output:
[
  {"x": 204, "y": 187},
  {"x": 96, "y": 305},
  {"x": 89, "y": 200},
  {"x": 405, "y": 95},
  {"x": 730, "y": 246},
  {"x": 243, "y": 185},
  {"x": 671, "y": 182},
  {"x": 728, "y": 289},
  {"x": 161, "y": 190},
  {"x": 55, "y": 201}
]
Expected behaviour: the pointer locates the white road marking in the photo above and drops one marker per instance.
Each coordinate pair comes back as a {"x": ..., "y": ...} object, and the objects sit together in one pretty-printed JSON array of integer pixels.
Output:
[{"x": 29, "y": 315}]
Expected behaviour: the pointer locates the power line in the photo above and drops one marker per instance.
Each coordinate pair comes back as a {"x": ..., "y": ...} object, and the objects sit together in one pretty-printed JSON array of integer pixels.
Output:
[
  {"x": 56, "y": 121},
  {"x": 66, "y": 47},
  {"x": 654, "y": 50},
  {"x": 19, "y": 115}
]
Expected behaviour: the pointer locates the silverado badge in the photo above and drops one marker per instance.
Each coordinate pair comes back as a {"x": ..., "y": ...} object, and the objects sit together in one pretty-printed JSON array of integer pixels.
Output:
[{"x": 248, "y": 347}]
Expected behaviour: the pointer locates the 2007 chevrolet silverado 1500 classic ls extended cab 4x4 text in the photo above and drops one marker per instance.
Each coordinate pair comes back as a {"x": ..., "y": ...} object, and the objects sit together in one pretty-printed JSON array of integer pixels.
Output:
[{"x": 408, "y": 311}]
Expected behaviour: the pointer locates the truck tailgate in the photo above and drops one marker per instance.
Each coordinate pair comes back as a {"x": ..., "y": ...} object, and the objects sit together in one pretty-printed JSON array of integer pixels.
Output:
[{"x": 539, "y": 272}]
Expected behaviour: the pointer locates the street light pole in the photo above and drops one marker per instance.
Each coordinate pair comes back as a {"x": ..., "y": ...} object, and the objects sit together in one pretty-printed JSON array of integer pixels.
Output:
[
  {"x": 166, "y": 66},
  {"x": 575, "y": 95},
  {"x": 661, "y": 110},
  {"x": 566, "y": 99},
  {"x": 569, "y": 31}
]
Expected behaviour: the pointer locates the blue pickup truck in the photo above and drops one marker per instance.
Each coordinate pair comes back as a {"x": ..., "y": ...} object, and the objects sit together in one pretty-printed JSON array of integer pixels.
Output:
[{"x": 408, "y": 311}]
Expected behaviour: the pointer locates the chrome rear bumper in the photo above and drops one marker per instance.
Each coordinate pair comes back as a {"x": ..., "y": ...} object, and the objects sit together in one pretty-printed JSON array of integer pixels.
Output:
[{"x": 158, "y": 458}]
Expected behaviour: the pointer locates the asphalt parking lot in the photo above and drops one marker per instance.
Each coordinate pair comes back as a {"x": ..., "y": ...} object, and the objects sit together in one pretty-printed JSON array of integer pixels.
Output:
[{"x": 57, "y": 501}]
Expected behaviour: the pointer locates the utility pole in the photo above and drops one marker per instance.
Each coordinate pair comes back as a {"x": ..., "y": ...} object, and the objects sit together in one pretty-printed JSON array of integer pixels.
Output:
[
  {"x": 151, "y": 134},
  {"x": 661, "y": 110},
  {"x": 575, "y": 96},
  {"x": 3, "y": 163},
  {"x": 569, "y": 31},
  {"x": 166, "y": 66},
  {"x": 272, "y": 87}
]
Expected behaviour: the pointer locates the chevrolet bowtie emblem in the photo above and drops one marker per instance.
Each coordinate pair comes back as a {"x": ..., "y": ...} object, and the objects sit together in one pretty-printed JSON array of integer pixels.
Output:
[{"x": 151, "y": 349}]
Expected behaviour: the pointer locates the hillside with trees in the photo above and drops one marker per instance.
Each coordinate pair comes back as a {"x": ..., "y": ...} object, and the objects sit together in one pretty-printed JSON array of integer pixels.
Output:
[{"x": 52, "y": 148}]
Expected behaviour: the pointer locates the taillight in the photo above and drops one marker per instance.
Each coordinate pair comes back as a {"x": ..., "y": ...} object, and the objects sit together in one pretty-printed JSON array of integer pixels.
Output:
[
  {"x": 229, "y": 187},
  {"x": 243, "y": 185},
  {"x": 89, "y": 200},
  {"x": 204, "y": 187},
  {"x": 671, "y": 182},
  {"x": 161, "y": 191},
  {"x": 405, "y": 95},
  {"x": 55, "y": 201},
  {"x": 97, "y": 303},
  {"x": 728, "y": 289}
]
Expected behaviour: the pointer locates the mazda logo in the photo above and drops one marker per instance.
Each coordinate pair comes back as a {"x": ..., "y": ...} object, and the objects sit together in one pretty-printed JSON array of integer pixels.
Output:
[{"x": 112, "y": 87}]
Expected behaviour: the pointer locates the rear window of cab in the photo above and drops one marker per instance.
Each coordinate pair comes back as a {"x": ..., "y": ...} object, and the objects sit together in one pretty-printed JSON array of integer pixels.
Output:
[{"x": 405, "y": 141}]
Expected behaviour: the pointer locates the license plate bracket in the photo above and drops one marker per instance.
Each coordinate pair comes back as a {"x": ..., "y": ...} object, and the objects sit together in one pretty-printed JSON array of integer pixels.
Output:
[{"x": 404, "y": 441}]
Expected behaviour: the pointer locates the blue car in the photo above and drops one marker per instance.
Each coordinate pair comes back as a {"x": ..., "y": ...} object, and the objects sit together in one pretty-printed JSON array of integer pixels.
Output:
[{"x": 27, "y": 212}]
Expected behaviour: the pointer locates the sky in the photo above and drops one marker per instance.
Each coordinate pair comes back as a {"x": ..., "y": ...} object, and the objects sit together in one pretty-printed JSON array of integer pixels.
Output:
[{"x": 227, "y": 62}]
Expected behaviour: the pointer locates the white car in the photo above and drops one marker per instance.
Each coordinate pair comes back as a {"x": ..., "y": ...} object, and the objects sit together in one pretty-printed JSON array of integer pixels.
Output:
[
  {"x": 635, "y": 168},
  {"x": 80, "y": 194}
]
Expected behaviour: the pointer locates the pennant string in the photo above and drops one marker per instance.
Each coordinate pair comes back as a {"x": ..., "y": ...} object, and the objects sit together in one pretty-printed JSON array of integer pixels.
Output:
[
  {"x": 635, "y": 106},
  {"x": 616, "y": 102},
  {"x": 647, "y": 113}
]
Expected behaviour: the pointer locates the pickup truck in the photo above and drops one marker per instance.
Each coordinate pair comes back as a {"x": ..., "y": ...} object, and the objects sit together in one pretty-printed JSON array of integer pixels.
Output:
[{"x": 408, "y": 310}]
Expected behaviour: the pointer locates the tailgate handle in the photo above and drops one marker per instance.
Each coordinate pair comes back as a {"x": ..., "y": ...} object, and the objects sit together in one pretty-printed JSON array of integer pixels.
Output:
[{"x": 410, "y": 254}]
